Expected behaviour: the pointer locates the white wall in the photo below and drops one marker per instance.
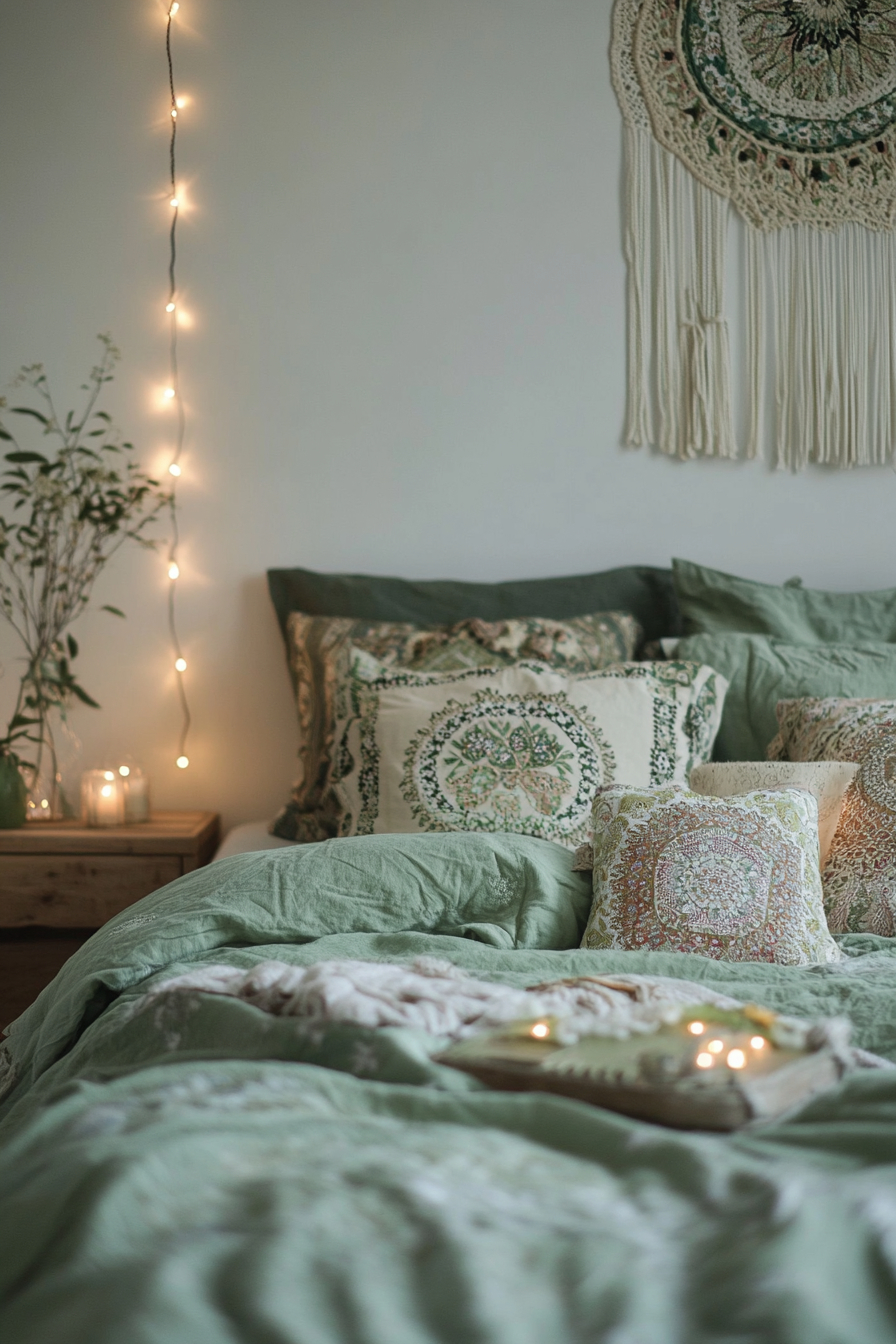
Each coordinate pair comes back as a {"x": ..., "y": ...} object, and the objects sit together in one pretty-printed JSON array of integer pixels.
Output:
[{"x": 402, "y": 255}]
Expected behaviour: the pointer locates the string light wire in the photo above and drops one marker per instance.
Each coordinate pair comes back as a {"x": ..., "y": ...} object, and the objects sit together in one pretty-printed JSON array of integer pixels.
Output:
[{"x": 172, "y": 394}]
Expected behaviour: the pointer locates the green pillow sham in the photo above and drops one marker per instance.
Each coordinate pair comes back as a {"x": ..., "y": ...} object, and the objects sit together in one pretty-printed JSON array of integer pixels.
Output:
[
  {"x": 642, "y": 590},
  {"x": 761, "y": 671},
  {"x": 715, "y": 603}
]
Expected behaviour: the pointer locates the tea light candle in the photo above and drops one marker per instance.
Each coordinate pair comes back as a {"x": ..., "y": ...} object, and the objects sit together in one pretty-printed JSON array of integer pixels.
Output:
[
  {"x": 102, "y": 798},
  {"x": 136, "y": 793}
]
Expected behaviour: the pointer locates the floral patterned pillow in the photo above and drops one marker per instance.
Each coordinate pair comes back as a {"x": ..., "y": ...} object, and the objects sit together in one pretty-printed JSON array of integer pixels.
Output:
[
  {"x": 319, "y": 647},
  {"x": 827, "y": 728},
  {"x": 860, "y": 874},
  {"x": 731, "y": 878},
  {"x": 521, "y": 749}
]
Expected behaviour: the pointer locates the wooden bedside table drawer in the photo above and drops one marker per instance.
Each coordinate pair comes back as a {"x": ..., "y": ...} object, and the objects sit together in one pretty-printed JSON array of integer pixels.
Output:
[{"x": 77, "y": 891}]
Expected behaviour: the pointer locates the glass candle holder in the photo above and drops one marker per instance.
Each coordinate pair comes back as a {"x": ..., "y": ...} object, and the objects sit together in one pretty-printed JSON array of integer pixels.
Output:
[
  {"x": 136, "y": 793},
  {"x": 102, "y": 798}
]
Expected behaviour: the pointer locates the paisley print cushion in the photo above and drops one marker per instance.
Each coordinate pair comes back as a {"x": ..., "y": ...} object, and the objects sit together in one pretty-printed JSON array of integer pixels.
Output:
[
  {"x": 827, "y": 728},
  {"x": 731, "y": 878},
  {"x": 860, "y": 874},
  {"x": 318, "y": 658},
  {"x": 826, "y": 780},
  {"x": 521, "y": 749}
]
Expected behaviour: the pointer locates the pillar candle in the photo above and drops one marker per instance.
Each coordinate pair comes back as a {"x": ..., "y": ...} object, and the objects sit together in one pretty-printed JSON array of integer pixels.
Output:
[
  {"x": 136, "y": 794},
  {"x": 102, "y": 798}
]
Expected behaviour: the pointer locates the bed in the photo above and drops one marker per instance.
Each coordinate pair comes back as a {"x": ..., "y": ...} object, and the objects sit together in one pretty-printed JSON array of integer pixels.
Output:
[
  {"x": 227, "y": 1119},
  {"x": 186, "y": 1165}
]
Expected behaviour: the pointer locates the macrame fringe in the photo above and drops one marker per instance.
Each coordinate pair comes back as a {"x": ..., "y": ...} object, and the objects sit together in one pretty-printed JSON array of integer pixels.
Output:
[
  {"x": 825, "y": 300},
  {"x": 679, "y": 384}
]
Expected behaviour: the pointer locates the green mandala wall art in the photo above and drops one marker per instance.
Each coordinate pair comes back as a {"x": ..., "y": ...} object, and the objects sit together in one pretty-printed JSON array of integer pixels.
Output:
[{"x": 784, "y": 110}]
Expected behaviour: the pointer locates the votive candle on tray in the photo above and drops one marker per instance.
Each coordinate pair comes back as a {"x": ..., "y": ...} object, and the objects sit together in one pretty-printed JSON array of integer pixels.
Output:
[
  {"x": 136, "y": 793},
  {"x": 102, "y": 798}
]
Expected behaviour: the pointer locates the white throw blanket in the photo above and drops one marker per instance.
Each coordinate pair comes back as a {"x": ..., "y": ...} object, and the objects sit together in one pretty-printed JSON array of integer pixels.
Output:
[{"x": 444, "y": 1000}]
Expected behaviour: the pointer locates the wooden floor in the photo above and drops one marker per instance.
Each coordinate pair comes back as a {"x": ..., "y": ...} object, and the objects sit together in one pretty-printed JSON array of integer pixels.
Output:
[{"x": 28, "y": 960}]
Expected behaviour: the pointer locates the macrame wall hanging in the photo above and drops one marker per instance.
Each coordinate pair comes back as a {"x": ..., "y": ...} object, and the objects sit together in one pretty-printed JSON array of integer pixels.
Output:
[{"x": 785, "y": 109}]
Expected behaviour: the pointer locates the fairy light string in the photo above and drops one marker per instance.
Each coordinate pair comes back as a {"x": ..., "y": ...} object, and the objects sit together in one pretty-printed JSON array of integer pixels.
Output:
[{"x": 172, "y": 394}]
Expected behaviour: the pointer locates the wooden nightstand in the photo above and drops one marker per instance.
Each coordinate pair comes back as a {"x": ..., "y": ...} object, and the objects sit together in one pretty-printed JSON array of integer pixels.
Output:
[{"x": 69, "y": 876}]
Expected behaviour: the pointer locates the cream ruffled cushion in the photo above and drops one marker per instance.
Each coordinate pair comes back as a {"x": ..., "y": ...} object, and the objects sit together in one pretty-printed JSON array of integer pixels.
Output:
[{"x": 826, "y": 780}]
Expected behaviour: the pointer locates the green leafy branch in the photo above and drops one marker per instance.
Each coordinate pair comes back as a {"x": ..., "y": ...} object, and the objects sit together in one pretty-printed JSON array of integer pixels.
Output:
[{"x": 64, "y": 512}]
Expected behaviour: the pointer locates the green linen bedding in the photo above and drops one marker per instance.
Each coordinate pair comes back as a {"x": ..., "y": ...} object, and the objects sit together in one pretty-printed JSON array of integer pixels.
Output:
[{"x": 188, "y": 1169}]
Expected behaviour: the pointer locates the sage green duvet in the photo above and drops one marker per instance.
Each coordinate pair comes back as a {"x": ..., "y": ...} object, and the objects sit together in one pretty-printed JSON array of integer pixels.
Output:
[{"x": 188, "y": 1169}]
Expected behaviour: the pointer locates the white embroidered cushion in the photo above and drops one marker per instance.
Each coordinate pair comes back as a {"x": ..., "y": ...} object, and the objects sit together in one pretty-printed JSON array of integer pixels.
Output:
[
  {"x": 731, "y": 878},
  {"x": 827, "y": 781},
  {"x": 521, "y": 749}
]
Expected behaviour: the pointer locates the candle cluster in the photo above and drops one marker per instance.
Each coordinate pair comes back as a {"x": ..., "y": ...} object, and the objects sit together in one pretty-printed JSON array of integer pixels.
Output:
[{"x": 116, "y": 797}]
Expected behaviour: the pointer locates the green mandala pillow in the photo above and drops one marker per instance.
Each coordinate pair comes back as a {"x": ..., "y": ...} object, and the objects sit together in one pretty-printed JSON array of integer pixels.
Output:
[
  {"x": 734, "y": 878},
  {"x": 318, "y": 648},
  {"x": 521, "y": 749}
]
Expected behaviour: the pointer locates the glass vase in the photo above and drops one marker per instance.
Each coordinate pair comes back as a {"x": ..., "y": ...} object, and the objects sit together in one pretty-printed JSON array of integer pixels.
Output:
[
  {"x": 53, "y": 757},
  {"x": 13, "y": 796}
]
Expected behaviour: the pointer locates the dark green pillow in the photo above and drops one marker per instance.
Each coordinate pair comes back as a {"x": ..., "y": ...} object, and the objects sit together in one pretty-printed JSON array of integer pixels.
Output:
[
  {"x": 715, "y": 603},
  {"x": 762, "y": 671},
  {"x": 645, "y": 592}
]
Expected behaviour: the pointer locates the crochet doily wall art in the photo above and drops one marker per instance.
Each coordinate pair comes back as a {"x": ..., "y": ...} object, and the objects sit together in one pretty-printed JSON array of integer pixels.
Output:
[{"x": 784, "y": 110}]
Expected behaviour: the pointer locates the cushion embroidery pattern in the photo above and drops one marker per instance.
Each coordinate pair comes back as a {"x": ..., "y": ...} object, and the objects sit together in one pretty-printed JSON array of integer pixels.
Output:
[
  {"x": 319, "y": 653},
  {"x": 827, "y": 781},
  {"x": 825, "y": 728},
  {"x": 735, "y": 879},
  {"x": 529, "y": 763},
  {"x": 524, "y": 753},
  {"x": 860, "y": 874}
]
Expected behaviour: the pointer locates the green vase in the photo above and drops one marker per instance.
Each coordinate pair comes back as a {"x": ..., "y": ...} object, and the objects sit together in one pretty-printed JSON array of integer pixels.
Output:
[{"x": 13, "y": 794}]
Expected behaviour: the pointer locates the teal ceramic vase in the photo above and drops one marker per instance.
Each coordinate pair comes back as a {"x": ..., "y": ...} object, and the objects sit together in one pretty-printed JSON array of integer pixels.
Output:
[{"x": 13, "y": 794}]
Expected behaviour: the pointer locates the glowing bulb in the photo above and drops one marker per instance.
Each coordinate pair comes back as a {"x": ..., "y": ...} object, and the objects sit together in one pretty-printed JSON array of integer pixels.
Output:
[
  {"x": 169, "y": 394},
  {"x": 174, "y": 573},
  {"x": 736, "y": 1059},
  {"x": 170, "y": 307},
  {"x": 107, "y": 774},
  {"x": 540, "y": 1030},
  {"x": 174, "y": 8},
  {"x": 174, "y": 113},
  {"x": 106, "y": 790},
  {"x": 124, "y": 771},
  {"x": 180, "y": 664},
  {"x": 181, "y": 103},
  {"x": 757, "y": 1042},
  {"x": 716, "y": 1047},
  {"x": 696, "y": 1028},
  {"x": 174, "y": 469},
  {"x": 174, "y": 202},
  {"x": 182, "y": 762},
  {"x": 704, "y": 1061},
  {"x": 44, "y": 803}
]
